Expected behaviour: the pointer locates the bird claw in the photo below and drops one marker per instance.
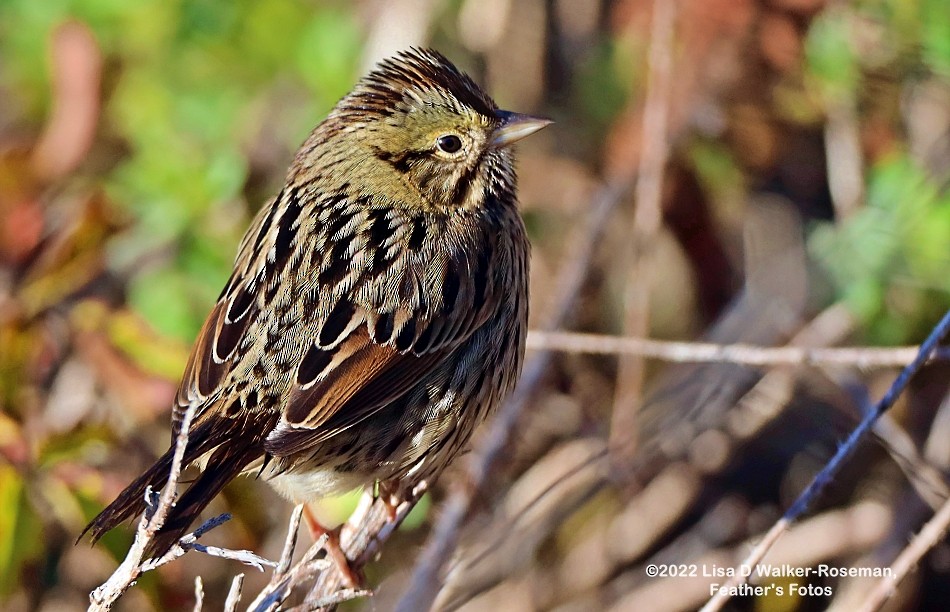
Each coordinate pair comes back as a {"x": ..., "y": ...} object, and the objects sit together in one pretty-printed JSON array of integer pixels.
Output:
[{"x": 391, "y": 498}]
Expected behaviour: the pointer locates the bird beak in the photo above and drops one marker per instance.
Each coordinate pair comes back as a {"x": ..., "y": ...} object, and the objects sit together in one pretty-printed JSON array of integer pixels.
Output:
[{"x": 513, "y": 127}]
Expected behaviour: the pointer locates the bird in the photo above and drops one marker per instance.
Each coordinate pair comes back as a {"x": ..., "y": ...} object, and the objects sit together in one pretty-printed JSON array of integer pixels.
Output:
[{"x": 377, "y": 309}]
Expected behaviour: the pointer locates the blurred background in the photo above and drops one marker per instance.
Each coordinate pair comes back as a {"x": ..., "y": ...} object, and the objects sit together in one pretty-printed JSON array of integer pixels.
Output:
[{"x": 766, "y": 172}]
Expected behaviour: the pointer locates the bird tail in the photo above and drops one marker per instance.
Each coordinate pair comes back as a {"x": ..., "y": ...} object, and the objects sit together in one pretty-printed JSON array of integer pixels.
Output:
[
  {"x": 131, "y": 501},
  {"x": 224, "y": 464}
]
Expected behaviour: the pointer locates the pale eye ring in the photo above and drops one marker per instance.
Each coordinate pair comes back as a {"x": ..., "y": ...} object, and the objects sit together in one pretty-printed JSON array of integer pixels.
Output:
[{"x": 449, "y": 143}]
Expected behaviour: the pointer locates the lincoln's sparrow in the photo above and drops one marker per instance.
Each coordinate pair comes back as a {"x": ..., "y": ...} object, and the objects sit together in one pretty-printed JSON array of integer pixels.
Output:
[{"x": 377, "y": 309}]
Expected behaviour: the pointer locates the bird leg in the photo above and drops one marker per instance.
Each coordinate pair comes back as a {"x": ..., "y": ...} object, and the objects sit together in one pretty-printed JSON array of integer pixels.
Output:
[
  {"x": 335, "y": 554},
  {"x": 389, "y": 493},
  {"x": 393, "y": 494}
]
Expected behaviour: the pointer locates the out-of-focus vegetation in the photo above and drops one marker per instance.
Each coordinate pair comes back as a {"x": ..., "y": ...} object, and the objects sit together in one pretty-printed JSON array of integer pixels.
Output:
[
  {"x": 192, "y": 93},
  {"x": 887, "y": 260},
  {"x": 137, "y": 139}
]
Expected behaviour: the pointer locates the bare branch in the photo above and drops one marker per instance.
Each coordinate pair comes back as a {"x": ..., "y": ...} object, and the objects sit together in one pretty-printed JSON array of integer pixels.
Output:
[
  {"x": 931, "y": 535},
  {"x": 293, "y": 528},
  {"x": 285, "y": 579},
  {"x": 189, "y": 542},
  {"x": 234, "y": 594},
  {"x": 647, "y": 221},
  {"x": 244, "y": 556},
  {"x": 156, "y": 512},
  {"x": 863, "y": 357},
  {"x": 199, "y": 594},
  {"x": 131, "y": 568},
  {"x": 371, "y": 524},
  {"x": 329, "y": 601},
  {"x": 361, "y": 537}
]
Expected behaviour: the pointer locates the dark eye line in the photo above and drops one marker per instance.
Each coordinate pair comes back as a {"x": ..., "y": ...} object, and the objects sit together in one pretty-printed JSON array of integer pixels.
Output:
[{"x": 402, "y": 161}]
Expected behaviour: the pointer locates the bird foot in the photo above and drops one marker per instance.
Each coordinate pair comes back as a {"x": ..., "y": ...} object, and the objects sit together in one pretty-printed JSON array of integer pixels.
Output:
[
  {"x": 391, "y": 497},
  {"x": 352, "y": 577}
]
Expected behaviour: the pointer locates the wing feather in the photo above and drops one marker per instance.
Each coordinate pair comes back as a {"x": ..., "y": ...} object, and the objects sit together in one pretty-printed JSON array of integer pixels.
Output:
[
  {"x": 350, "y": 354},
  {"x": 368, "y": 378}
]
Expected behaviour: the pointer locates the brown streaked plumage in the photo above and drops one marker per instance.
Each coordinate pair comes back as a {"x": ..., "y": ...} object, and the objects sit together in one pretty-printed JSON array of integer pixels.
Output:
[{"x": 377, "y": 309}]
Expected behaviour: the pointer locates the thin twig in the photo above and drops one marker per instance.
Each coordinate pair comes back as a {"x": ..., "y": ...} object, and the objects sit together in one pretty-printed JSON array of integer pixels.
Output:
[
  {"x": 156, "y": 512},
  {"x": 647, "y": 220},
  {"x": 290, "y": 543},
  {"x": 278, "y": 587},
  {"x": 864, "y": 357},
  {"x": 199, "y": 594},
  {"x": 244, "y": 556},
  {"x": 283, "y": 582},
  {"x": 332, "y": 600},
  {"x": 923, "y": 475},
  {"x": 931, "y": 534},
  {"x": 361, "y": 537},
  {"x": 190, "y": 542},
  {"x": 130, "y": 569},
  {"x": 234, "y": 594},
  {"x": 185, "y": 543},
  {"x": 827, "y": 474}
]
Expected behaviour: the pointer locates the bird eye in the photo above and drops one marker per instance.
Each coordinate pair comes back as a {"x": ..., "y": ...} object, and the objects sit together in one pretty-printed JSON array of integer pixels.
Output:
[{"x": 450, "y": 143}]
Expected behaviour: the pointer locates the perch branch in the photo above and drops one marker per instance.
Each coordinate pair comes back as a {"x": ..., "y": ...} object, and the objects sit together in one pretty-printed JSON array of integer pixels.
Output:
[
  {"x": 130, "y": 569},
  {"x": 156, "y": 512}
]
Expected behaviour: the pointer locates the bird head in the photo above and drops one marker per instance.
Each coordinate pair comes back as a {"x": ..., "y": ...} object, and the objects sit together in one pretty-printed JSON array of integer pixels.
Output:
[{"x": 418, "y": 122}]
